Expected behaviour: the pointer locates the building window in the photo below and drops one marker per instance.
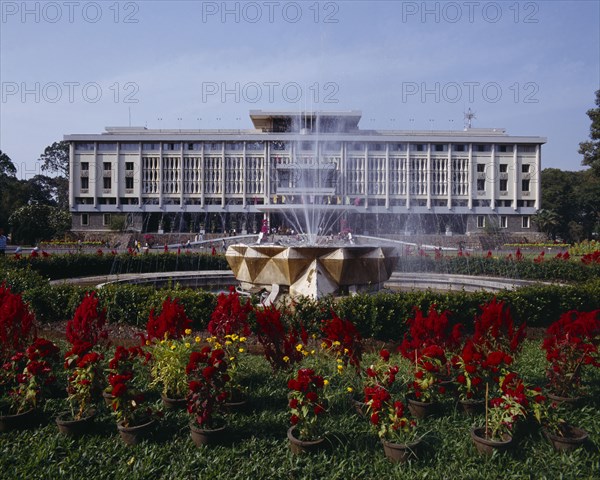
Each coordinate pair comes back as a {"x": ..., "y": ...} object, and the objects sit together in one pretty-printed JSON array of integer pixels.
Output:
[
  {"x": 85, "y": 219},
  {"x": 129, "y": 147},
  {"x": 194, "y": 146},
  {"x": 526, "y": 222},
  {"x": 150, "y": 146},
  {"x": 526, "y": 148},
  {"x": 128, "y": 183},
  {"x": 107, "y": 166},
  {"x": 85, "y": 183},
  {"x": 85, "y": 147},
  {"x": 503, "y": 167},
  {"x": 397, "y": 147},
  {"x": 525, "y": 185},
  {"x": 503, "y": 185},
  {"x": 420, "y": 147},
  {"x": 129, "y": 166},
  {"x": 482, "y": 148},
  {"x": 439, "y": 147},
  {"x": 171, "y": 146},
  {"x": 85, "y": 166},
  {"x": 480, "y": 221},
  {"x": 505, "y": 148},
  {"x": 481, "y": 168},
  {"x": 107, "y": 183},
  {"x": 525, "y": 168},
  {"x": 480, "y": 184},
  {"x": 503, "y": 221},
  {"x": 106, "y": 219},
  {"x": 460, "y": 148},
  {"x": 376, "y": 147},
  {"x": 107, "y": 147}
]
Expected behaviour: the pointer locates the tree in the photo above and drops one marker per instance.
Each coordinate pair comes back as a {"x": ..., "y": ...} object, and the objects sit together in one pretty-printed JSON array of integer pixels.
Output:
[
  {"x": 55, "y": 159},
  {"x": 7, "y": 167},
  {"x": 33, "y": 223},
  {"x": 547, "y": 222},
  {"x": 591, "y": 149}
]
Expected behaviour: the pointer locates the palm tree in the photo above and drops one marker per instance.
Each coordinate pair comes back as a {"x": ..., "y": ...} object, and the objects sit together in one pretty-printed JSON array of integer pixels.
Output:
[{"x": 547, "y": 222}]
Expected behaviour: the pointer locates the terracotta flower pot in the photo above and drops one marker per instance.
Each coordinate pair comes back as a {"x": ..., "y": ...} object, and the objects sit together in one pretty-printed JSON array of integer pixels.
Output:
[
  {"x": 207, "y": 436},
  {"x": 17, "y": 421},
  {"x": 173, "y": 403},
  {"x": 134, "y": 434},
  {"x": 574, "y": 438},
  {"x": 487, "y": 446},
  {"x": 400, "y": 452},
  {"x": 74, "y": 428},
  {"x": 108, "y": 399},
  {"x": 420, "y": 409},
  {"x": 472, "y": 407},
  {"x": 298, "y": 446}
]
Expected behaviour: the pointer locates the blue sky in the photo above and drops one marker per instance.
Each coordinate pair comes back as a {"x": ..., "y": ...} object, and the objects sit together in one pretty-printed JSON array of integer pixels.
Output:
[{"x": 76, "y": 67}]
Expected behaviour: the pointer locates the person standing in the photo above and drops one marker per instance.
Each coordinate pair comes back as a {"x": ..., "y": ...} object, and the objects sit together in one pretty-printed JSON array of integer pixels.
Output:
[{"x": 2, "y": 242}]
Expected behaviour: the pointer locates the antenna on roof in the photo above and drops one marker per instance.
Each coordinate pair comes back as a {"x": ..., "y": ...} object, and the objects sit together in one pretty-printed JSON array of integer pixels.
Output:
[{"x": 469, "y": 116}]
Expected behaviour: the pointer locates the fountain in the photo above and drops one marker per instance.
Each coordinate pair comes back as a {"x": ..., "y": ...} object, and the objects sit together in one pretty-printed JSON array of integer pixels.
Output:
[{"x": 316, "y": 261}]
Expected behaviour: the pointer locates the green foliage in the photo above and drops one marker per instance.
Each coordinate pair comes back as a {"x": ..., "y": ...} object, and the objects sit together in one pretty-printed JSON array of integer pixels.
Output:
[
  {"x": 591, "y": 149},
  {"x": 198, "y": 304},
  {"x": 127, "y": 304},
  {"x": 35, "y": 222}
]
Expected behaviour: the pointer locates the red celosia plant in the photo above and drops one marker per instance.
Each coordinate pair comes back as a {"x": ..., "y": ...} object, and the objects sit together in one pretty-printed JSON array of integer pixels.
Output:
[
  {"x": 127, "y": 400},
  {"x": 207, "y": 371},
  {"x": 382, "y": 372},
  {"x": 430, "y": 368},
  {"x": 495, "y": 330},
  {"x": 172, "y": 321},
  {"x": 84, "y": 382},
  {"x": 591, "y": 258},
  {"x": 342, "y": 340},
  {"x": 87, "y": 327},
  {"x": 432, "y": 329},
  {"x": 571, "y": 343},
  {"x": 17, "y": 323},
  {"x": 306, "y": 403},
  {"x": 230, "y": 316},
  {"x": 280, "y": 343},
  {"x": 508, "y": 409},
  {"x": 474, "y": 370},
  {"x": 388, "y": 416},
  {"x": 28, "y": 374}
]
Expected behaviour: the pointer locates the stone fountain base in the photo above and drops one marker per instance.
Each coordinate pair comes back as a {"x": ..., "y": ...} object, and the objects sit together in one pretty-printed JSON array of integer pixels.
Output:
[{"x": 311, "y": 271}]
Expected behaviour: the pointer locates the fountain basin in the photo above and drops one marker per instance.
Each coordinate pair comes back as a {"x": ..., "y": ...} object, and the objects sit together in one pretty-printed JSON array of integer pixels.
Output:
[{"x": 312, "y": 270}]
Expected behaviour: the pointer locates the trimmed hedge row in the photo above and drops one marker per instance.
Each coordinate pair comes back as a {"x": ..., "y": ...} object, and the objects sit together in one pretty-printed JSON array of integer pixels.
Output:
[
  {"x": 68, "y": 265},
  {"x": 381, "y": 316}
]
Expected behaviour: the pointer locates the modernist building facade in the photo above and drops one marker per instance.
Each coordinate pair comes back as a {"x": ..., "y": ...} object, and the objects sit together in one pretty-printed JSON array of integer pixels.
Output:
[{"x": 381, "y": 182}]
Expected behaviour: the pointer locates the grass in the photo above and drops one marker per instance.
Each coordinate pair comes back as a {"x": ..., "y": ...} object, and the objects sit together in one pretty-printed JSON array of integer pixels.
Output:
[{"x": 257, "y": 446}]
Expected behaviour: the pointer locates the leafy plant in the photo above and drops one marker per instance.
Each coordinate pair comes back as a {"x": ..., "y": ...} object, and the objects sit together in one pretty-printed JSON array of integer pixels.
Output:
[{"x": 306, "y": 403}]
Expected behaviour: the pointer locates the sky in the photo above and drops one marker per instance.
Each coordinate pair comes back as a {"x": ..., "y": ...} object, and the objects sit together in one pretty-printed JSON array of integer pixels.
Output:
[{"x": 71, "y": 67}]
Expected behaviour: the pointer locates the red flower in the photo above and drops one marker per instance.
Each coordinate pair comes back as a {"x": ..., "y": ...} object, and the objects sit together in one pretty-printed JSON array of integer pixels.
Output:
[
  {"x": 119, "y": 390},
  {"x": 294, "y": 419}
]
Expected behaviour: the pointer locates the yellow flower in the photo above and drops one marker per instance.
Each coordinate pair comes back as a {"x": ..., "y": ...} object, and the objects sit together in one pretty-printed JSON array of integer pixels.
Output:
[
  {"x": 323, "y": 345},
  {"x": 217, "y": 345},
  {"x": 173, "y": 346},
  {"x": 312, "y": 352},
  {"x": 350, "y": 389},
  {"x": 299, "y": 347},
  {"x": 286, "y": 359},
  {"x": 187, "y": 344},
  {"x": 242, "y": 339},
  {"x": 227, "y": 342},
  {"x": 339, "y": 360},
  {"x": 188, "y": 331},
  {"x": 234, "y": 337},
  {"x": 197, "y": 339},
  {"x": 305, "y": 353},
  {"x": 241, "y": 350},
  {"x": 231, "y": 359},
  {"x": 336, "y": 344},
  {"x": 148, "y": 342},
  {"x": 346, "y": 351},
  {"x": 340, "y": 368},
  {"x": 162, "y": 341},
  {"x": 325, "y": 382}
]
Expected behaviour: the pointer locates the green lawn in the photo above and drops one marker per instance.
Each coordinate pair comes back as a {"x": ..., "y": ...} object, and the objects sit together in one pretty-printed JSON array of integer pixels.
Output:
[{"x": 257, "y": 446}]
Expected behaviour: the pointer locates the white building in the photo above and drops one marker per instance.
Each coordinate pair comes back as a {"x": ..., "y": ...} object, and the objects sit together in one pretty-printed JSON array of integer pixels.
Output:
[{"x": 380, "y": 181}]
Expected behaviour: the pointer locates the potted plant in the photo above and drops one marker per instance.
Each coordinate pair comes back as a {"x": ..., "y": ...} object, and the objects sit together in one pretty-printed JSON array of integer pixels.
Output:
[
  {"x": 207, "y": 374},
  {"x": 26, "y": 378},
  {"x": 572, "y": 343},
  {"x": 306, "y": 405},
  {"x": 562, "y": 435},
  {"x": 398, "y": 433},
  {"x": 501, "y": 416},
  {"x": 134, "y": 419},
  {"x": 380, "y": 373},
  {"x": 84, "y": 385},
  {"x": 426, "y": 390},
  {"x": 167, "y": 367}
]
